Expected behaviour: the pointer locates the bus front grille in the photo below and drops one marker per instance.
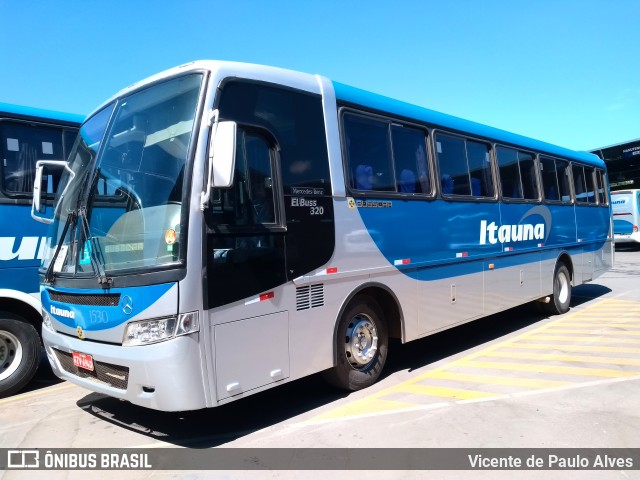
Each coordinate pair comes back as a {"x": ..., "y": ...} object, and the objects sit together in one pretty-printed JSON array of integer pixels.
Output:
[
  {"x": 107, "y": 373},
  {"x": 96, "y": 300}
]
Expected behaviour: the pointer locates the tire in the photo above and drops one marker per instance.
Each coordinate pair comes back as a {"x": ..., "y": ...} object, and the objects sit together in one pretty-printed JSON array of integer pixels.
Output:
[
  {"x": 561, "y": 297},
  {"x": 359, "y": 364},
  {"x": 19, "y": 354}
]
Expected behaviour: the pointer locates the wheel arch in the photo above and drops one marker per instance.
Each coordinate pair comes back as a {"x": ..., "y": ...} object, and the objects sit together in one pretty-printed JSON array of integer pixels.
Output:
[
  {"x": 565, "y": 258},
  {"x": 386, "y": 300},
  {"x": 22, "y": 305}
]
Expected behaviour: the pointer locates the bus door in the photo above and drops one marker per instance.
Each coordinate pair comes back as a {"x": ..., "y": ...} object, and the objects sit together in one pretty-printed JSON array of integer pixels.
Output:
[{"x": 245, "y": 263}]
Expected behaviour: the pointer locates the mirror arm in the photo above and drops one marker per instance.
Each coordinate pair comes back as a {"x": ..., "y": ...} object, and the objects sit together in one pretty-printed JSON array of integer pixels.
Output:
[{"x": 214, "y": 119}]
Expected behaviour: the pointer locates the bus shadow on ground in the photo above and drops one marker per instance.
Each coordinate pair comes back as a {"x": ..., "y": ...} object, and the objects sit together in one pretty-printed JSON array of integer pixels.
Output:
[{"x": 213, "y": 427}]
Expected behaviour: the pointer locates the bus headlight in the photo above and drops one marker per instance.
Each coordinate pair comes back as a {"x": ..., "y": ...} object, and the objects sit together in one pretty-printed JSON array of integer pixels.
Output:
[{"x": 145, "y": 332}]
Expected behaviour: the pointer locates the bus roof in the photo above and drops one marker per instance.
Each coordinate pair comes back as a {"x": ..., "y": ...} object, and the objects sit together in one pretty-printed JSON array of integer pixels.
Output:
[
  {"x": 30, "y": 112},
  {"x": 373, "y": 101},
  {"x": 381, "y": 103}
]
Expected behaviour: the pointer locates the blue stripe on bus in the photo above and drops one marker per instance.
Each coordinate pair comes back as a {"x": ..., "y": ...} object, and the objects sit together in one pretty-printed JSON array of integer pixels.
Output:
[
  {"x": 433, "y": 233},
  {"x": 84, "y": 315},
  {"x": 360, "y": 97}
]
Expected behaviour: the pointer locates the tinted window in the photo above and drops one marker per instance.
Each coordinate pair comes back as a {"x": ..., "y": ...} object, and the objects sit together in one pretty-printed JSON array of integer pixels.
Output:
[
  {"x": 465, "y": 168},
  {"x": 384, "y": 156},
  {"x": 369, "y": 154},
  {"x": 251, "y": 200},
  {"x": 22, "y": 144},
  {"x": 562, "y": 169},
  {"x": 550, "y": 187},
  {"x": 517, "y": 174},
  {"x": 294, "y": 118},
  {"x": 410, "y": 159},
  {"x": 583, "y": 184},
  {"x": 601, "y": 187}
]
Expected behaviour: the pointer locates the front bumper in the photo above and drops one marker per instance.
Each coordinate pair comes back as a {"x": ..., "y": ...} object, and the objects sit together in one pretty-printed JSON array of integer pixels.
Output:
[{"x": 168, "y": 376}]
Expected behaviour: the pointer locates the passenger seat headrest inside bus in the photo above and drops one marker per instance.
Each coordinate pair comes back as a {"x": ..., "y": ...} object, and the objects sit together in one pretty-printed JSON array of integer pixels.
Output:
[
  {"x": 407, "y": 181},
  {"x": 364, "y": 177},
  {"x": 447, "y": 184}
]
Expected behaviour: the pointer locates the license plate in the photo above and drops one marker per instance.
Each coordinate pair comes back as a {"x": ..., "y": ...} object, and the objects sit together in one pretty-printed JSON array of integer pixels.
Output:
[{"x": 82, "y": 360}]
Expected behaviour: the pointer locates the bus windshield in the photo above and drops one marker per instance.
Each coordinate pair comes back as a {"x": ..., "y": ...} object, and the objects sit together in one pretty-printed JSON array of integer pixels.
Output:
[{"x": 120, "y": 211}]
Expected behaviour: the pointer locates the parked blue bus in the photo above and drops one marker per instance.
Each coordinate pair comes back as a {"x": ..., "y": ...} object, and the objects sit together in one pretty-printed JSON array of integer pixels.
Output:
[
  {"x": 26, "y": 135},
  {"x": 223, "y": 228}
]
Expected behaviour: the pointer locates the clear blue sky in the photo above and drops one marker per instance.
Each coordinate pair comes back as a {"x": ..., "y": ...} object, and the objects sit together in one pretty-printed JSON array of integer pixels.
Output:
[{"x": 562, "y": 71}]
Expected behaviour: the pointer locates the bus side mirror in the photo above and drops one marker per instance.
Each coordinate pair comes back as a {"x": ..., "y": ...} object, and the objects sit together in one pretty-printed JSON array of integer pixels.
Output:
[
  {"x": 37, "y": 205},
  {"x": 222, "y": 158},
  {"x": 223, "y": 155}
]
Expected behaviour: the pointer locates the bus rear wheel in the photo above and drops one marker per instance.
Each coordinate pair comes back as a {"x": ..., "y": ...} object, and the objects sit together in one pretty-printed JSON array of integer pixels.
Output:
[
  {"x": 362, "y": 345},
  {"x": 561, "y": 297},
  {"x": 19, "y": 354}
]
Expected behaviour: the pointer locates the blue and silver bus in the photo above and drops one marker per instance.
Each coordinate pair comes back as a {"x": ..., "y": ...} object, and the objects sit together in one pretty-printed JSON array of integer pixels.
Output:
[
  {"x": 26, "y": 135},
  {"x": 223, "y": 228},
  {"x": 625, "y": 205}
]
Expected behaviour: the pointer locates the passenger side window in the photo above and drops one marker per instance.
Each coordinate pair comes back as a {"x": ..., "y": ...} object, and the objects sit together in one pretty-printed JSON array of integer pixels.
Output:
[
  {"x": 465, "y": 168},
  {"x": 369, "y": 154},
  {"x": 583, "y": 184},
  {"x": 550, "y": 187},
  {"x": 517, "y": 174},
  {"x": 385, "y": 157},
  {"x": 410, "y": 159},
  {"x": 562, "y": 170}
]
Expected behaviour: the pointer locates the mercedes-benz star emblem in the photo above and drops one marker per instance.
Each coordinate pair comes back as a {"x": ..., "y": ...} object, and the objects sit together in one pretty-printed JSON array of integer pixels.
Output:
[{"x": 127, "y": 305}]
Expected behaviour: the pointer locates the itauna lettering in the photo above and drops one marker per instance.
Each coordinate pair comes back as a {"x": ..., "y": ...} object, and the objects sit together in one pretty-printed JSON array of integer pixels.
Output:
[
  {"x": 61, "y": 312},
  {"x": 22, "y": 248},
  {"x": 492, "y": 233}
]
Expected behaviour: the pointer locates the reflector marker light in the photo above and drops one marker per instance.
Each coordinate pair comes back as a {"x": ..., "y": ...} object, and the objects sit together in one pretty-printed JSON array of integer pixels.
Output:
[
  {"x": 332, "y": 270},
  {"x": 462, "y": 254},
  {"x": 261, "y": 298},
  {"x": 404, "y": 261},
  {"x": 508, "y": 249},
  {"x": 541, "y": 244}
]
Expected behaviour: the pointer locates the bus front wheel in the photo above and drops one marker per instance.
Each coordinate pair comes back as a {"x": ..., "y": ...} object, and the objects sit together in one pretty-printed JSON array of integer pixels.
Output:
[
  {"x": 561, "y": 297},
  {"x": 362, "y": 345},
  {"x": 19, "y": 354}
]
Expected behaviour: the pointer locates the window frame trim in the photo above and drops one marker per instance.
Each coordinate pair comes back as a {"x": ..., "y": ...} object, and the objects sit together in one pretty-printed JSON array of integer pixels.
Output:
[
  {"x": 280, "y": 223},
  {"x": 390, "y": 121},
  {"x": 492, "y": 163}
]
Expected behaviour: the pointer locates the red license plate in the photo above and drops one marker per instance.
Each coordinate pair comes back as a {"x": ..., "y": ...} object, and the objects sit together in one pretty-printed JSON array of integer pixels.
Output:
[{"x": 82, "y": 360}]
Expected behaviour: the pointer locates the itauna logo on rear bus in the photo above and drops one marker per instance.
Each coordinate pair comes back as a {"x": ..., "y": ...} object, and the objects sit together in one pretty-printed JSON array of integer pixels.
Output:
[{"x": 492, "y": 233}]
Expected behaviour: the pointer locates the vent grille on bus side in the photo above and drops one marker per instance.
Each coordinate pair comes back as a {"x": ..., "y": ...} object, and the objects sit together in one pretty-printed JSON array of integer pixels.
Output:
[
  {"x": 106, "y": 300},
  {"x": 310, "y": 296}
]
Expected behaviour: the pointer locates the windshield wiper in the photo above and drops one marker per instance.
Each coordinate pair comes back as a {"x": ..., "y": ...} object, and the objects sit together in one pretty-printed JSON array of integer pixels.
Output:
[{"x": 104, "y": 280}]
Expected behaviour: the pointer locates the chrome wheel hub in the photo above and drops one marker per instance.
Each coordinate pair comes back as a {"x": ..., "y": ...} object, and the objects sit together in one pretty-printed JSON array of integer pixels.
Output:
[{"x": 361, "y": 341}]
